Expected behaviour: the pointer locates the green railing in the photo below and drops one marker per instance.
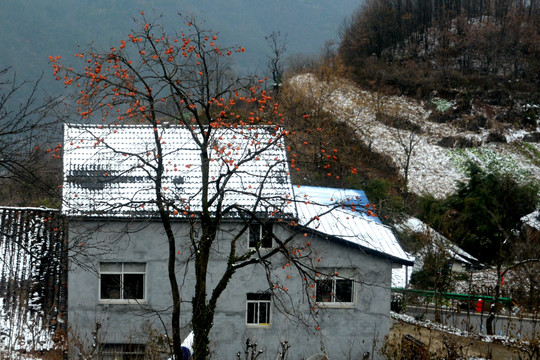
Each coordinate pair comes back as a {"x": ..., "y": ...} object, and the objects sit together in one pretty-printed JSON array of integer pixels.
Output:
[{"x": 445, "y": 295}]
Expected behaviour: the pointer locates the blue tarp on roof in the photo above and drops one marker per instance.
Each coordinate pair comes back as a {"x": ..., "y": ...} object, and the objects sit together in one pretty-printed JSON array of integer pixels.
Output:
[{"x": 329, "y": 196}]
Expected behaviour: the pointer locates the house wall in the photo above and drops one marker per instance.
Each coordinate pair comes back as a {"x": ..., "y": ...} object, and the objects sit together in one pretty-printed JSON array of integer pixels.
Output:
[
  {"x": 344, "y": 332},
  {"x": 458, "y": 266}
]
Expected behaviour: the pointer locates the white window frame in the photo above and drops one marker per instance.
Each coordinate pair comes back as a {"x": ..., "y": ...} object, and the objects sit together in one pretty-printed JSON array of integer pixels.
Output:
[
  {"x": 118, "y": 351},
  {"x": 257, "y": 303},
  {"x": 260, "y": 228},
  {"x": 122, "y": 272},
  {"x": 331, "y": 275}
]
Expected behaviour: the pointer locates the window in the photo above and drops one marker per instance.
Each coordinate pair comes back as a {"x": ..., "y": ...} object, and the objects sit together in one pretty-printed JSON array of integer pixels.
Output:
[
  {"x": 122, "y": 282},
  {"x": 334, "y": 289},
  {"x": 260, "y": 236},
  {"x": 122, "y": 352},
  {"x": 258, "y": 309}
]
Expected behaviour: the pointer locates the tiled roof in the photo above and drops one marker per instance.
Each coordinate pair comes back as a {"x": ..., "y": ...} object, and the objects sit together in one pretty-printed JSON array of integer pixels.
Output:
[
  {"x": 108, "y": 170},
  {"x": 356, "y": 228}
]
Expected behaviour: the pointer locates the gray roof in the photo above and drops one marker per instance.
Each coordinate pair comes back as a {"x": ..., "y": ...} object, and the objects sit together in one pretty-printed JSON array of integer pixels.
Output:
[{"x": 108, "y": 170}]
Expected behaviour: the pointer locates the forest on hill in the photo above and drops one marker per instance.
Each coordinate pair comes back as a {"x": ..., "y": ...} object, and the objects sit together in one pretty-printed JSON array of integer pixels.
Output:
[
  {"x": 470, "y": 67},
  {"x": 414, "y": 47},
  {"x": 469, "y": 93},
  {"x": 443, "y": 100}
]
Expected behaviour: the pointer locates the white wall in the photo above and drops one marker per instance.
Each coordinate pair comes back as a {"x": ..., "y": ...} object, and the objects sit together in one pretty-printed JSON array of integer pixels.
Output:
[{"x": 343, "y": 332}]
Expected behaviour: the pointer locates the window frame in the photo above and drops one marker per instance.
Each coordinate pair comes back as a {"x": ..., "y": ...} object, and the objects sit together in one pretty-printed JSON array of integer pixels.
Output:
[
  {"x": 122, "y": 272},
  {"x": 262, "y": 229},
  {"x": 331, "y": 275},
  {"x": 258, "y": 302},
  {"x": 121, "y": 350}
]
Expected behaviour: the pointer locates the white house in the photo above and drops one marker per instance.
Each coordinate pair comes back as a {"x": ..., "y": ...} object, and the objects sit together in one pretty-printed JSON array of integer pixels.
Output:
[
  {"x": 327, "y": 290},
  {"x": 459, "y": 259}
]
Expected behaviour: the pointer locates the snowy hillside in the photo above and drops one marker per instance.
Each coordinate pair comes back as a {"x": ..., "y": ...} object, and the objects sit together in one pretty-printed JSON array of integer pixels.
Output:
[{"x": 434, "y": 169}]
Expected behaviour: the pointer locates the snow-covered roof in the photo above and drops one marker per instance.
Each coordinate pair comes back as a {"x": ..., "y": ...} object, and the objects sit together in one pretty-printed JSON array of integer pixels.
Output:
[
  {"x": 416, "y": 225},
  {"x": 32, "y": 251},
  {"x": 532, "y": 219},
  {"x": 325, "y": 216},
  {"x": 109, "y": 170}
]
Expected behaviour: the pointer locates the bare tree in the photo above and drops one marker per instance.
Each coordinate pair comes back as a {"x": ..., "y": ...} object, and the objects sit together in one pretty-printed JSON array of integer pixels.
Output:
[
  {"x": 407, "y": 143},
  {"x": 24, "y": 121},
  {"x": 278, "y": 46}
]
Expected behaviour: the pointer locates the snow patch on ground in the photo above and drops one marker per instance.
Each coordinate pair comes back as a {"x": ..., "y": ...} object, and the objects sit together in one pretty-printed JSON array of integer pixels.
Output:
[
  {"x": 505, "y": 340},
  {"x": 433, "y": 169}
]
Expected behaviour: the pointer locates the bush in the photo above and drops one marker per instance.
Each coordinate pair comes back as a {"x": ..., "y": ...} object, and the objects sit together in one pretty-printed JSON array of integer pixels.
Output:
[
  {"x": 441, "y": 117},
  {"x": 532, "y": 137},
  {"x": 472, "y": 123},
  {"x": 399, "y": 122},
  {"x": 461, "y": 276},
  {"x": 495, "y": 136},
  {"x": 459, "y": 142}
]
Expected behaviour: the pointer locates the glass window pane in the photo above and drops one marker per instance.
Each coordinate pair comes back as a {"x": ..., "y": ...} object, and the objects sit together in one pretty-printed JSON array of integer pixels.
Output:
[
  {"x": 344, "y": 290},
  {"x": 110, "y": 267},
  {"x": 122, "y": 352},
  {"x": 112, "y": 352},
  {"x": 254, "y": 235},
  {"x": 266, "y": 241},
  {"x": 134, "y": 267},
  {"x": 133, "y": 286},
  {"x": 134, "y": 351},
  {"x": 324, "y": 290},
  {"x": 110, "y": 286},
  {"x": 264, "y": 317},
  {"x": 252, "y": 312}
]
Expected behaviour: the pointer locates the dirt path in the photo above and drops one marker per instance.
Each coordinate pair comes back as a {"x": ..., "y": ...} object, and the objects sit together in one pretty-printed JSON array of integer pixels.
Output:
[{"x": 449, "y": 346}]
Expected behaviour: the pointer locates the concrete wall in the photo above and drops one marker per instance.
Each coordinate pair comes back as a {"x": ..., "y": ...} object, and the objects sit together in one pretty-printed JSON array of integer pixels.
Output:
[{"x": 343, "y": 332}]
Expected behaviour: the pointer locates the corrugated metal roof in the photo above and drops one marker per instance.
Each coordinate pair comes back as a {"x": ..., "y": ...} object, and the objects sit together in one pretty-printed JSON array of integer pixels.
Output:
[
  {"x": 341, "y": 222},
  {"x": 108, "y": 171}
]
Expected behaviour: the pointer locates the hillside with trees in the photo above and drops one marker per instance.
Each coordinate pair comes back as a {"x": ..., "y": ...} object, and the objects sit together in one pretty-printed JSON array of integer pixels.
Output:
[
  {"x": 487, "y": 49},
  {"x": 440, "y": 100}
]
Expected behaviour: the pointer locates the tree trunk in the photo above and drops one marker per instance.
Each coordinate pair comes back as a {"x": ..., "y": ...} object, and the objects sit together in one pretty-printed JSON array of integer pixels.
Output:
[
  {"x": 175, "y": 321},
  {"x": 203, "y": 316},
  {"x": 493, "y": 307},
  {"x": 171, "y": 239}
]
